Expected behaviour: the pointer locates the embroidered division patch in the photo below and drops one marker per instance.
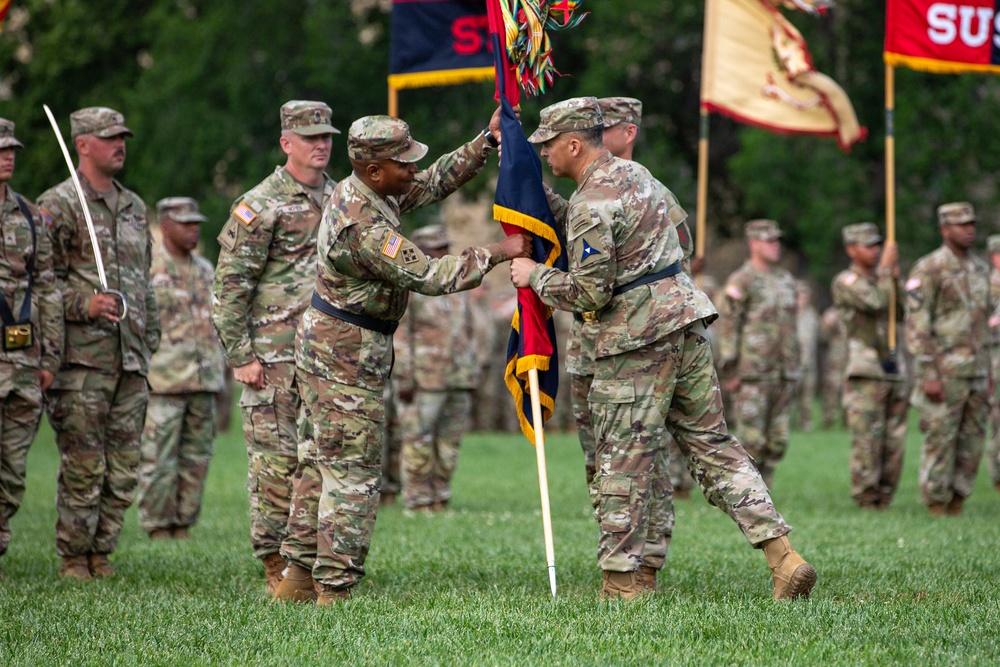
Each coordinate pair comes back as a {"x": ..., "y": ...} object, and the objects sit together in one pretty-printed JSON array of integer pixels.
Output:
[
  {"x": 244, "y": 213},
  {"x": 392, "y": 245}
]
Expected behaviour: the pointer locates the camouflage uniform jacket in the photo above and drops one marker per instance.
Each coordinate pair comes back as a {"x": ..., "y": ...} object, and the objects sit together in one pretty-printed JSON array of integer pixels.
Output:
[
  {"x": 580, "y": 342},
  {"x": 367, "y": 267},
  {"x": 435, "y": 344},
  {"x": 757, "y": 325},
  {"x": 46, "y": 301},
  {"x": 126, "y": 248},
  {"x": 615, "y": 235},
  {"x": 863, "y": 306},
  {"x": 266, "y": 269},
  {"x": 948, "y": 305},
  {"x": 189, "y": 358},
  {"x": 995, "y": 317}
]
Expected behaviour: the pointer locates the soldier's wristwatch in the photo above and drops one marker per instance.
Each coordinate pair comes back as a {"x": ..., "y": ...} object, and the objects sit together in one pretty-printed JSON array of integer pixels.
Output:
[{"x": 490, "y": 139}]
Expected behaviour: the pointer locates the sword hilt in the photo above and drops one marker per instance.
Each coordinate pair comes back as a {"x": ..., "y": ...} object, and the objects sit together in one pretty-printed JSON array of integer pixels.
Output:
[{"x": 118, "y": 294}]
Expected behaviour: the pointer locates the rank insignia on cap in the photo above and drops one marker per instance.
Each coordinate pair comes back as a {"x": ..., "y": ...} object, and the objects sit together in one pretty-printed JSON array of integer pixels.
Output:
[
  {"x": 244, "y": 213},
  {"x": 392, "y": 246}
]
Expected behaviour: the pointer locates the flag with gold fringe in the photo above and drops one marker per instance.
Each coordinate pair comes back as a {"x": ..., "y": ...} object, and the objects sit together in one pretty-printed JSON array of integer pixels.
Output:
[
  {"x": 4, "y": 8},
  {"x": 943, "y": 37},
  {"x": 523, "y": 59},
  {"x": 757, "y": 69},
  {"x": 438, "y": 43}
]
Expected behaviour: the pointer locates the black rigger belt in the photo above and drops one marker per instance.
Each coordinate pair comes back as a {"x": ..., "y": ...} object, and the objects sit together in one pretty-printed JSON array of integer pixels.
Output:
[
  {"x": 384, "y": 327},
  {"x": 671, "y": 270}
]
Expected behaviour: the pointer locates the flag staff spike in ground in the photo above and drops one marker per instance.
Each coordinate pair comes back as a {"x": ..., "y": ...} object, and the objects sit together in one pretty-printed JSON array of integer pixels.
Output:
[{"x": 543, "y": 476}]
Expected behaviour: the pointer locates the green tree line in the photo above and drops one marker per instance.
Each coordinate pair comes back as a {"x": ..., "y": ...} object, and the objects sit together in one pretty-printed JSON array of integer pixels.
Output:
[{"x": 200, "y": 83}]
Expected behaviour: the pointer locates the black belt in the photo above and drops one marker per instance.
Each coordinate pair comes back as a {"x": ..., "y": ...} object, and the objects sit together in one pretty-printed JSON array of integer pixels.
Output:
[
  {"x": 671, "y": 270},
  {"x": 384, "y": 327}
]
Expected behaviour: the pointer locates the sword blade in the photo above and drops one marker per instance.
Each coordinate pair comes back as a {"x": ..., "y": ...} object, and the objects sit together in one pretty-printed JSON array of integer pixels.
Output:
[{"x": 83, "y": 200}]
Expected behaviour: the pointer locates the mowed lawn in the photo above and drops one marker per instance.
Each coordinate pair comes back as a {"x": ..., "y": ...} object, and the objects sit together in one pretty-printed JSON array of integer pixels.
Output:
[{"x": 470, "y": 586}]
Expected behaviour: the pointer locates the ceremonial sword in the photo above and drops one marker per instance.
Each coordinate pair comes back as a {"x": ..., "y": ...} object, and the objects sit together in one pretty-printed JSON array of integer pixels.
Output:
[{"x": 86, "y": 216}]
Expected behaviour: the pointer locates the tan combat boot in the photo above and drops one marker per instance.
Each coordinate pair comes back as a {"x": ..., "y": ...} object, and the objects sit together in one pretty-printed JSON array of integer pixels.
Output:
[
  {"x": 648, "y": 576},
  {"x": 938, "y": 509},
  {"x": 181, "y": 533},
  {"x": 793, "y": 577},
  {"x": 75, "y": 567},
  {"x": 331, "y": 596},
  {"x": 955, "y": 506},
  {"x": 160, "y": 534},
  {"x": 274, "y": 566},
  {"x": 624, "y": 585},
  {"x": 387, "y": 498},
  {"x": 297, "y": 585},
  {"x": 99, "y": 566}
]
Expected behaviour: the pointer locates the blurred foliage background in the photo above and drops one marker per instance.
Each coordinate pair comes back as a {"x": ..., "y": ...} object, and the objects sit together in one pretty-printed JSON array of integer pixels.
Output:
[{"x": 200, "y": 83}]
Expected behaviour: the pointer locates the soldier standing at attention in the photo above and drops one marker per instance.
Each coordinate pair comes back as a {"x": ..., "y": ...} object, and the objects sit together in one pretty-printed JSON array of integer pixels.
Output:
[
  {"x": 993, "y": 446},
  {"x": 653, "y": 367},
  {"x": 344, "y": 355},
  {"x": 948, "y": 306},
  {"x": 31, "y": 310},
  {"x": 834, "y": 344},
  {"x": 185, "y": 375},
  {"x": 759, "y": 347},
  {"x": 874, "y": 381},
  {"x": 97, "y": 403},
  {"x": 264, "y": 277},
  {"x": 436, "y": 370}
]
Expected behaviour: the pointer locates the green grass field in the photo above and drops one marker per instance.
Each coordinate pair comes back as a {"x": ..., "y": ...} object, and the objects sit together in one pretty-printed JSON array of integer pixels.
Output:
[{"x": 470, "y": 586}]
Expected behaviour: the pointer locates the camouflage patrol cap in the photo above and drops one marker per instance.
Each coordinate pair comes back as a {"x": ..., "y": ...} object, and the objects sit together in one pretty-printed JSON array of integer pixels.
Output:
[
  {"x": 578, "y": 113},
  {"x": 307, "y": 118},
  {"x": 7, "y": 139},
  {"x": 955, "y": 213},
  {"x": 383, "y": 138},
  {"x": 99, "y": 121},
  {"x": 620, "y": 110},
  {"x": 862, "y": 233},
  {"x": 179, "y": 209},
  {"x": 762, "y": 230},
  {"x": 993, "y": 243},
  {"x": 431, "y": 237}
]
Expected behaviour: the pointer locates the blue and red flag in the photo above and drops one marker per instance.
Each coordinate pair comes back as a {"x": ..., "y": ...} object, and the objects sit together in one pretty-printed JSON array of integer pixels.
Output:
[
  {"x": 521, "y": 206},
  {"x": 438, "y": 43}
]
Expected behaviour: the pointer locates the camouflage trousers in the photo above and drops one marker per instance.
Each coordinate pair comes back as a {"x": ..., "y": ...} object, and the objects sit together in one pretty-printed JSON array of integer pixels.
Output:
[
  {"x": 762, "y": 411},
  {"x": 177, "y": 444},
  {"x": 335, "y": 491},
  {"x": 97, "y": 418},
  {"x": 20, "y": 414},
  {"x": 636, "y": 396},
  {"x": 876, "y": 412},
  {"x": 270, "y": 429},
  {"x": 830, "y": 392},
  {"x": 992, "y": 455},
  {"x": 805, "y": 393},
  {"x": 392, "y": 442},
  {"x": 681, "y": 478},
  {"x": 433, "y": 426},
  {"x": 661, "y": 503},
  {"x": 954, "y": 431}
]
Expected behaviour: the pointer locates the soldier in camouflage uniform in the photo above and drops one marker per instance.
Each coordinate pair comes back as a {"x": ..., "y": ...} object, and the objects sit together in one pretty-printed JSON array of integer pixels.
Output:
[
  {"x": 993, "y": 445},
  {"x": 264, "y": 277},
  {"x": 97, "y": 403},
  {"x": 653, "y": 367},
  {"x": 29, "y": 355},
  {"x": 436, "y": 370},
  {"x": 834, "y": 342},
  {"x": 622, "y": 116},
  {"x": 874, "y": 384},
  {"x": 185, "y": 374},
  {"x": 948, "y": 306},
  {"x": 759, "y": 347},
  {"x": 344, "y": 351}
]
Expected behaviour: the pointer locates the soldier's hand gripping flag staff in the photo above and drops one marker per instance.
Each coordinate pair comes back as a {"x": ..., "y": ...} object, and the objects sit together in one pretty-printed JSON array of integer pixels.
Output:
[
  {"x": 522, "y": 55},
  {"x": 86, "y": 216}
]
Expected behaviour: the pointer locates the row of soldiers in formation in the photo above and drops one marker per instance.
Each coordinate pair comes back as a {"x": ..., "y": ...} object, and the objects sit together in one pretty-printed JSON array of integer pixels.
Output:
[{"x": 314, "y": 278}]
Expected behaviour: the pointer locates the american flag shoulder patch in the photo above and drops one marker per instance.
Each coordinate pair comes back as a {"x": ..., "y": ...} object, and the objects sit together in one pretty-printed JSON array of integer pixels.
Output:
[
  {"x": 244, "y": 213},
  {"x": 392, "y": 245},
  {"x": 47, "y": 217}
]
